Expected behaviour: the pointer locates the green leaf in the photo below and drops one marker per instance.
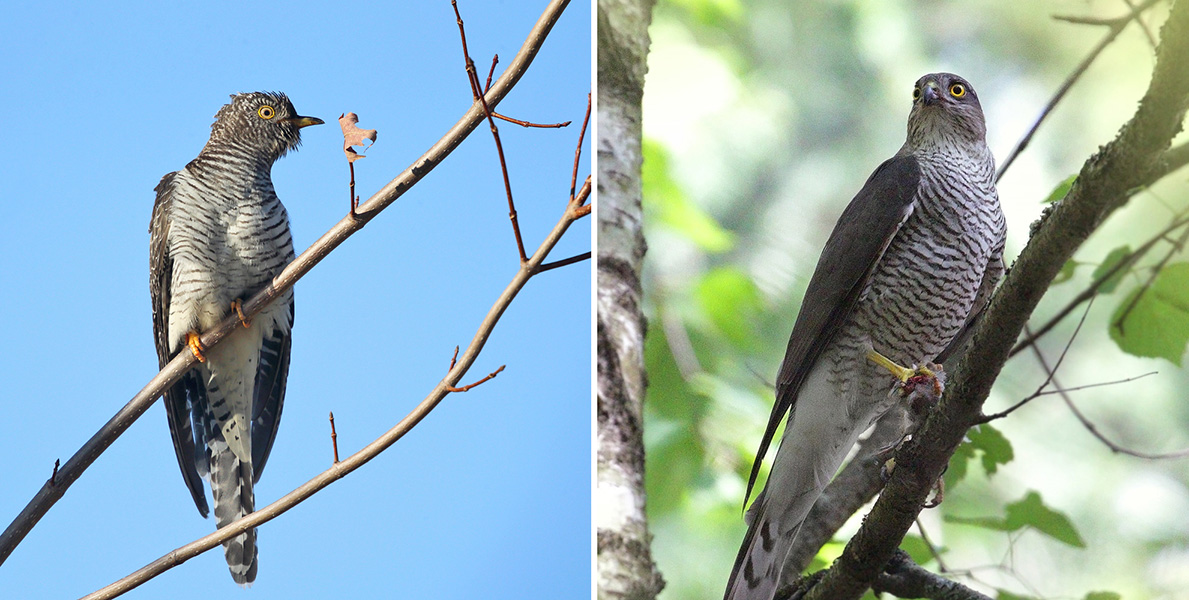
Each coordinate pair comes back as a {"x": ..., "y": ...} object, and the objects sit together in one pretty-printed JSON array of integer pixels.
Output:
[
  {"x": 996, "y": 449},
  {"x": 956, "y": 472},
  {"x": 668, "y": 206},
  {"x": 1066, "y": 272},
  {"x": 916, "y": 547},
  {"x": 1061, "y": 190},
  {"x": 1029, "y": 512},
  {"x": 1158, "y": 324},
  {"x": 1114, "y": 257},
  {"x": 1103, "y": 596},
  {"x": 731, "y": 300},
  {"x": 1006, "y": 595}
]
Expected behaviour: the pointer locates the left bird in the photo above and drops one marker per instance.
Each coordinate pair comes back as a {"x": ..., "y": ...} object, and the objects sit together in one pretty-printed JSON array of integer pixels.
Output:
[{"x": 218, "y": 235}]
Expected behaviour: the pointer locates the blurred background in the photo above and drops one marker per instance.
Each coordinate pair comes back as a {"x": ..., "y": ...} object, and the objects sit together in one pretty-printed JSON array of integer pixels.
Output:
[{"x": 762, "y": 118}]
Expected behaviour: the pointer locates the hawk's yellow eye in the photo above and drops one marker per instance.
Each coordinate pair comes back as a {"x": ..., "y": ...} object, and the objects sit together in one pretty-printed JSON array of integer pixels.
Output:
[
  {"x": 266, "y": 112},
  {"x": 916, "y": 93},
  {"x": 957, "y": 90}
]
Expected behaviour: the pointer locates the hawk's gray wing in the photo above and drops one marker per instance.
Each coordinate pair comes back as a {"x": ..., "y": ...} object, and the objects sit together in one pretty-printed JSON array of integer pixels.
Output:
[
  {"x": 269, "y": 397},
  {"x": 189, "y": 390},
  {"x": 863, "y": 232}
]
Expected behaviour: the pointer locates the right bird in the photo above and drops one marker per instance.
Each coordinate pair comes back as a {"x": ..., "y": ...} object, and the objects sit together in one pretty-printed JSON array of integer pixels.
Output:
[
  {"x": 218, "y": 235},
  {"x": 910, "y": 264}
]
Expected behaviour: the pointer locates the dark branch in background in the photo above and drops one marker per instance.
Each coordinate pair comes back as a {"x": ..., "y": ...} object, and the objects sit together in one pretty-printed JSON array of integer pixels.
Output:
[
  {"x": 51, "y": 491},
  {"x": 1116, "y": 25},
  {"x": 906, "y": 579},
  {"x": 1102, "y": 186}
]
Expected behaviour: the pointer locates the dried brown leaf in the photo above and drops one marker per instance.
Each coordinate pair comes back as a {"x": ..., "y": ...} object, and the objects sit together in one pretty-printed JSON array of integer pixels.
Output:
[{"x": 354, "y": 136}]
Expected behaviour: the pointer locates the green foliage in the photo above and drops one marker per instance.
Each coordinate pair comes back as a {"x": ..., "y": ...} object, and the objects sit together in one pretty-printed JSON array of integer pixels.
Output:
[
  {"x": 916, "y": 548},
  {"x": 730, "y": 299},
  {"x": 985, "y": 443},
  {"x": 667, "y": 205},
  {"x": 994, "y": 448},
  {"x": 1061, "y": 190},
  {"x": 1029, "y": 512},
  {"x": 1157, "y": 324},
  {"x": 1006, "y": 595},
  {"x": 1103, "y": 596},
  {"x": 1066, "y": 272},
  {"x": 711, "y": 12},
  {"x": 675, "y": 453},
  {"x": 1114, "y": 257}
]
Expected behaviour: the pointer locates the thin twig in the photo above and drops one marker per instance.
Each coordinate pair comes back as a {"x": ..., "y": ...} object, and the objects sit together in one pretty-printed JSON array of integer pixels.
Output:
[
  {"x": 563, "y": 262},
  {"x": 486, "y": 378},
  {"x": 578, "y": 149},
  {"x": 473, "y": 77},
  {"x": 529, "y": 124},
  {"x": 933, "y": 549},
  {"x": 1116, "y": 27},
  {"x": 354, "y": 198},
  {"x": 1050, "y": 372},
  {"x": 1093, "y": 429},
  {"x": 49, "y": 494},
  {"x": 334, "y": 438},
  {"x": 495, "y": 60},
  {"x": 1087, "y": 386},
  {"x": 54, "y": 475}
]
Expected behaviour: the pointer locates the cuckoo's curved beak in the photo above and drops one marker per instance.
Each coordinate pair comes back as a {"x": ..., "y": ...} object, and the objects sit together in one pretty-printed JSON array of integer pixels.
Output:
[{"x": 304, "y": 121}]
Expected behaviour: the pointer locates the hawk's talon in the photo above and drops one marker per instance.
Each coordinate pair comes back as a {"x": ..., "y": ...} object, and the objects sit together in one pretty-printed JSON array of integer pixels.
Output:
[
  {"x": 238, "y": 307},
  {"x": 195, "y": 346}
]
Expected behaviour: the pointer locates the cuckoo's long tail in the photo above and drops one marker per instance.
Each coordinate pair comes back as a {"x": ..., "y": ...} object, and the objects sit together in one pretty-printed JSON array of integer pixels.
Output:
[{"x": 231, "y": 486}]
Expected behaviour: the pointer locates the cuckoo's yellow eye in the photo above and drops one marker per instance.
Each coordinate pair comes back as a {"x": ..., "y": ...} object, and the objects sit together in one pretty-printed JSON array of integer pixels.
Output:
[
  {"x": 957, "y": 90},
  {"x": 266, "y": 112},
  {"x": 916, "y": 93}
]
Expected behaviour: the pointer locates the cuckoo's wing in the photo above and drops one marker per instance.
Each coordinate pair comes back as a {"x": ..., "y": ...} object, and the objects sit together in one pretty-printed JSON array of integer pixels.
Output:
[
  {"x": 269, "y": 397},
  {"x": 859, "y": 239},
  {"x": 177, "y": 407}
]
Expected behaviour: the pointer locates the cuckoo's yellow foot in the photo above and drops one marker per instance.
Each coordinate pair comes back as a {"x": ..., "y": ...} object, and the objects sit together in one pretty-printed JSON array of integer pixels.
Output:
[{"x": 195, "y": 345}]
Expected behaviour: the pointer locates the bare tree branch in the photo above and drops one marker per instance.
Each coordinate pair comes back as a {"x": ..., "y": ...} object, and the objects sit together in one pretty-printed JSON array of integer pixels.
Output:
[
  {"x": 906, "y": 579},
  {"x": 52, "y": 490},
  {"x": 1101, "y": 187}
]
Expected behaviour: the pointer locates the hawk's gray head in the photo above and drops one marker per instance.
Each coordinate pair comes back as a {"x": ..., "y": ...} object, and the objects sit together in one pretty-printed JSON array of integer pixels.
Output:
[
  {"x": 264, "y": 122},
  {"x": 945, "y": 109}
]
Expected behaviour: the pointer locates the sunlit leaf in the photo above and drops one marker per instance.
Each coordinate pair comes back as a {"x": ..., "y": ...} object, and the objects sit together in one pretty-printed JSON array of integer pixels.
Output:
[
  {"x": 667, "y": 205},
  {"x": 1158, "y": 323},
  {"x": 1112, "y": 258},
  {"x": 1061, "y": 190},
  {"x": 730, "y": 299}
]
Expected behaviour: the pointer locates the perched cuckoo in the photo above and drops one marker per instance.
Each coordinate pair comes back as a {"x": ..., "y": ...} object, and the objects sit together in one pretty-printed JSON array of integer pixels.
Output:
[
  {"x": 219, "y": 234},
  {"x": 910, "y": 264}
]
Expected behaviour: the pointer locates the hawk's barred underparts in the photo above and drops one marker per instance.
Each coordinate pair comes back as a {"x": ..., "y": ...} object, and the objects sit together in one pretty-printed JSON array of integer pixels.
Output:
[
  {"x": 910, "y": 264},
  {"x": 218, "y": 235}
]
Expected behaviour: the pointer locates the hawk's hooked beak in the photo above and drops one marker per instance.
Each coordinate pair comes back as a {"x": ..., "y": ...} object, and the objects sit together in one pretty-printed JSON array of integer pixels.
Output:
[
  {"x": 931, "y": 93},
  {"x": 304, "y": 121}
]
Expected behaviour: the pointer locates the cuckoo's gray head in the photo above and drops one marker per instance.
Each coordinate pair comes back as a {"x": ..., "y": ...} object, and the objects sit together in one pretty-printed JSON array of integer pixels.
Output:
[
  {"x": 264, "y": 122},
  {"x": 945, "y": 110}
]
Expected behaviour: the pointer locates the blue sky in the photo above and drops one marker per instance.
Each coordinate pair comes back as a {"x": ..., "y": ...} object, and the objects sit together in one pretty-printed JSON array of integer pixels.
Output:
[{"x": 490, "y": 495}]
